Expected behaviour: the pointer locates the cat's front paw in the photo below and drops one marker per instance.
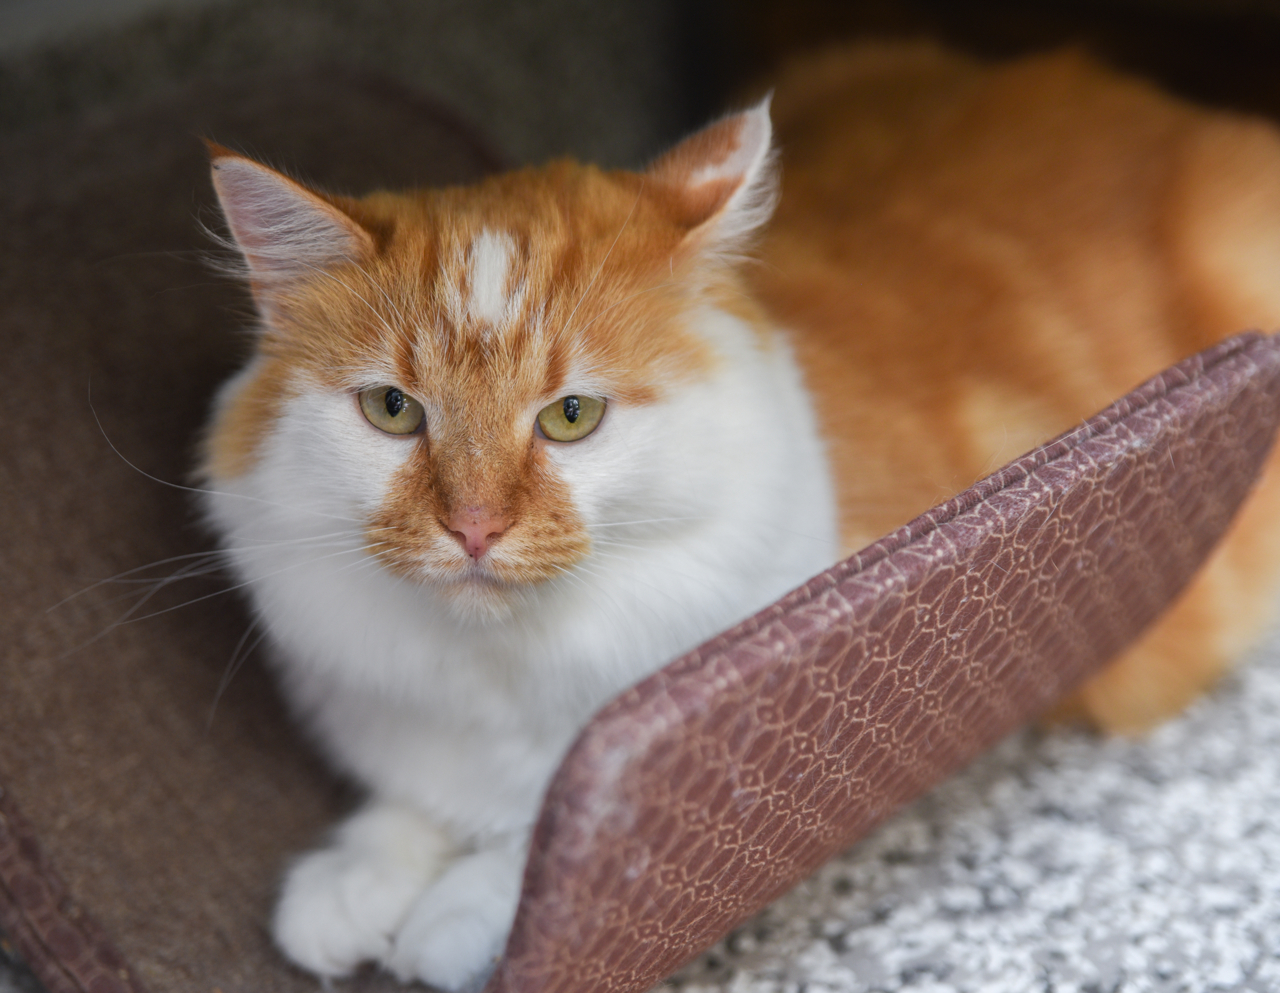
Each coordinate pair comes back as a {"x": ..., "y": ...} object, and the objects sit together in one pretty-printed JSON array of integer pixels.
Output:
[
  {"x": 455, "y": 932},
  {"x": 343, "y": 905}
]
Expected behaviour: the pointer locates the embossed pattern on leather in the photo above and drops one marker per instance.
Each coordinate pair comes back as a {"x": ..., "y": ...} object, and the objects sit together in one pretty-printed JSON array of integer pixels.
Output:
[
  {"x": 697, "y": 797},
  {"x": 66, "y": 949}
]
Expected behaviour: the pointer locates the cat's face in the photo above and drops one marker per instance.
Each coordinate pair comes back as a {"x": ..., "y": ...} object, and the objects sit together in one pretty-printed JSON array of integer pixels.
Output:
[{"x": 471, "y": 373}]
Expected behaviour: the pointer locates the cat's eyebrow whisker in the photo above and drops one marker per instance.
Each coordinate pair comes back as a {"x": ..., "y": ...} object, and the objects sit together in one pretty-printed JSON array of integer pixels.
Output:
[
  {"x": 400, "y": 315},
  {"x": 599, "y": 269},
  {"x": 355, "y": 293}
]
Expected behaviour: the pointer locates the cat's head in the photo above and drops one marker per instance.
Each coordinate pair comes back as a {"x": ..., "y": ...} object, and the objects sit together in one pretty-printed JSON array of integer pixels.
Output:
[{"x": 472, "y": 373}]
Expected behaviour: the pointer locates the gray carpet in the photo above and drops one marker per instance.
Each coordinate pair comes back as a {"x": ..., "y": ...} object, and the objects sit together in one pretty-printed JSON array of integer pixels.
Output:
[{"x": 1059, "y": 863}]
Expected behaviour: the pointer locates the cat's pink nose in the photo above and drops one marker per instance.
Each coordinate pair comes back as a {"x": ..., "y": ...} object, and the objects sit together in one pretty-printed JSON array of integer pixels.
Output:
[{"x": 475, "y": 528}]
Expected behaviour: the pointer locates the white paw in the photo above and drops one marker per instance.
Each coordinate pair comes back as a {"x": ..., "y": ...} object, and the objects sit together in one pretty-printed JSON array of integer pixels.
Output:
[
  {"x": 343, "y": 905},
  {"x": 456, "y": 930}
]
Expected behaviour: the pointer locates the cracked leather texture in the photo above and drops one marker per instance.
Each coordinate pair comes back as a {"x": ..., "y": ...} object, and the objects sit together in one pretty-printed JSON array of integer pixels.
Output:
[{"x": 695, "y": 798}]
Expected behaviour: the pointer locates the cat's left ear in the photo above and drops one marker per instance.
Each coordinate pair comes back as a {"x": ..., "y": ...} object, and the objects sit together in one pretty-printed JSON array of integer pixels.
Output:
[
  {"x": 721, "y": 182},
  {"x": 284, "y": 230}
]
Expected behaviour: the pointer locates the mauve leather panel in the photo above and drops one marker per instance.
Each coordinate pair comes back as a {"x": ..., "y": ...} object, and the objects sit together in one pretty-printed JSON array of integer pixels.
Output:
[{"x": 700, "y": 795}]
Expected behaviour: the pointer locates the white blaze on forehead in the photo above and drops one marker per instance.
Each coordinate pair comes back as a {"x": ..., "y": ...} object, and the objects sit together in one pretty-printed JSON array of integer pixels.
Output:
[{"x": 488, "y": 271}]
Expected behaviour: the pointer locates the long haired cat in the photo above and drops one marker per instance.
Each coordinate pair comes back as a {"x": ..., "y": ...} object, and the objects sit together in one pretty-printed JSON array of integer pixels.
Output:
[{"x": 503, "y": 450}]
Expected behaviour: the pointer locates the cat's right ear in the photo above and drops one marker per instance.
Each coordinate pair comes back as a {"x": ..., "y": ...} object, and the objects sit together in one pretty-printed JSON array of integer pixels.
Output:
[
  {"x": 284, "y": 230},
  {"x": 721, "y": 182}
]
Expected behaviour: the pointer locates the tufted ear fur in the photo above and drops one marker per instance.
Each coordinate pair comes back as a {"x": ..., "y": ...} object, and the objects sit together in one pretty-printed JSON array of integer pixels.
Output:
[
  {"x": 721, "y": 181},
  {"x": 284, "y": 230}
]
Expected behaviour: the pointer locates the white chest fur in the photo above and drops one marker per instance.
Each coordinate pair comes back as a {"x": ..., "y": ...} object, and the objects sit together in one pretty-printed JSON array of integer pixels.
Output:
[{"x": 702, "y": 508}]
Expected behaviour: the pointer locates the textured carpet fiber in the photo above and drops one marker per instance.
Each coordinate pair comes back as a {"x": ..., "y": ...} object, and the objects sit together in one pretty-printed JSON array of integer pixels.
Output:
[{"x": 1059, "y": 863}]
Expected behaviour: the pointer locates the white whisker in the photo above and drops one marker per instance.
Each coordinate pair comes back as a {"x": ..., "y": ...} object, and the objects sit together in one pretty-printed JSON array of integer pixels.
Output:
[
  {"x": 128, "y": 617},
  {"x": 216, "y": 557},
  {"x": 229, "y": 673},
  {"x": 200, "y": 489}
]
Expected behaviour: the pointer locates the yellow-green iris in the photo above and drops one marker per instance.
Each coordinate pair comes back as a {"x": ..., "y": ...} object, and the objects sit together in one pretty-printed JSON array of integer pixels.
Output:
[
  {"x": 390, "y": 409},
  {"x": 570, "y": 418}
]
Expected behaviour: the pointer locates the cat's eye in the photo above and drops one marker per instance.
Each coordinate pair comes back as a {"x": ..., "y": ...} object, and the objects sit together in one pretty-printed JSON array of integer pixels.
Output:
[
  {"x": 392, "y": 410},
  {"x": 570, "y": 418}
]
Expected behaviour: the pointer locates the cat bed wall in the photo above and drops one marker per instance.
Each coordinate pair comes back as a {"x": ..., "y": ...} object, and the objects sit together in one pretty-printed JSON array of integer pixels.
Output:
[
  {"x": 169, "y": 826},
  {"x": 142, "y": 830}
]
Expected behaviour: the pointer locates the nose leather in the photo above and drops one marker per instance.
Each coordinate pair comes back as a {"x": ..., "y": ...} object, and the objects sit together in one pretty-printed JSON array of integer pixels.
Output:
[{"x": 476, "y": 528}]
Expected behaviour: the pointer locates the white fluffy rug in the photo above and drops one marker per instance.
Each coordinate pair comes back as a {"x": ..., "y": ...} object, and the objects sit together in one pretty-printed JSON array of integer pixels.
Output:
[{"x": 1060, "y": 863}]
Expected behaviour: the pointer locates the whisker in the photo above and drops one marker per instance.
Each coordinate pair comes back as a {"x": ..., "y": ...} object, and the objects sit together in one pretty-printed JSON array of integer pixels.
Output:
[
  {"x": 121, "y": 576},
  {"x": 199, "y": 489},
  {"x": 593, "y": 592},
  {"x": 128, "y": 617},
  {"x": 353, "y": 291},
  {"x": 584, "y": 567},
  {"x": 668, "y": 569},
  {"x": 651, "y": 520},
  {"x": 215, "y": 555},
  {"x": 242, "y": 585},
  {"x": 157, "y": 583},
  {"x": 229, "y": 673}
]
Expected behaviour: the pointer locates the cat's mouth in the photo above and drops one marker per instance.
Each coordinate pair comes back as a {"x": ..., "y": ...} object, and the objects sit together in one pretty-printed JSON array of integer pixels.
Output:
[
  {"x": 475, "y": 593},
  {"x": 499, "y": 573},
  {"x": 478, "y": 574}
]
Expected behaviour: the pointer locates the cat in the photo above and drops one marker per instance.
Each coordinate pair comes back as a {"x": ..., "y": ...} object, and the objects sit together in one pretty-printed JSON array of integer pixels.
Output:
[{"x": 502, "y": 450}]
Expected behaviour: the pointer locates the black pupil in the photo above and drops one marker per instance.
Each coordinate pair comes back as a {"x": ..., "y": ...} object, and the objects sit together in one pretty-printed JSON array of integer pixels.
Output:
[
  {"x": 394, "y": 401},
  {"x": 572, "y": 408}
]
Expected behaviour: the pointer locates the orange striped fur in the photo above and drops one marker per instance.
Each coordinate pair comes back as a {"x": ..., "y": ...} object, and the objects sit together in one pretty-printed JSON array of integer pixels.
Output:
[
  {"x": 967, "y": 260},
  {"x": 964, "y": 262}
]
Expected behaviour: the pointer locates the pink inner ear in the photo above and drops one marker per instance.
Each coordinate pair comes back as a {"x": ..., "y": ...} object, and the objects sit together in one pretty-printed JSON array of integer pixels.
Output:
[
  {"x": 281, "y": 227},
  {"x": 722, "y": 170}
]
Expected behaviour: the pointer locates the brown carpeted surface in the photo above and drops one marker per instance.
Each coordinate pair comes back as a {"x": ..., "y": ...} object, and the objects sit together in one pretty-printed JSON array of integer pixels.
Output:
[{"x": 173, "y": 830}]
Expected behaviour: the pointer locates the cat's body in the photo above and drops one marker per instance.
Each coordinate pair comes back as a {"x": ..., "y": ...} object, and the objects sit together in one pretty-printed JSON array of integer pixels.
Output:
[{"x": 964, "y": 263}]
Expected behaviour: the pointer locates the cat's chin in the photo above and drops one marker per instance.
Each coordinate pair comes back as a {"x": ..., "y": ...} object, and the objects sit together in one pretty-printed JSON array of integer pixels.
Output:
[{"x": 476, "y": 597}]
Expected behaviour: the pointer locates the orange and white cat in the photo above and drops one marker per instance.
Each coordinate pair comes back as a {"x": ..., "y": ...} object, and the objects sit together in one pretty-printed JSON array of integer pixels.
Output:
[{"x": 503, "y": 450}]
